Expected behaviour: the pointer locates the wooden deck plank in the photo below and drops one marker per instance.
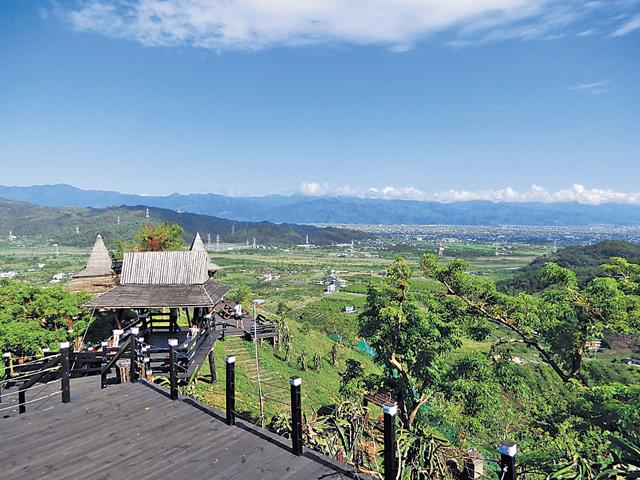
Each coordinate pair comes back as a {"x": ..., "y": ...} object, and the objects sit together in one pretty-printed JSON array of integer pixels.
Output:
[{"x": 132, "y": 431}]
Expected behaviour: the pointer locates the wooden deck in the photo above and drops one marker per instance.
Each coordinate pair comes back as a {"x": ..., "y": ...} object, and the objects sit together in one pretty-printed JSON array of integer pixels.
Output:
[{"x": 134, "y": 431}]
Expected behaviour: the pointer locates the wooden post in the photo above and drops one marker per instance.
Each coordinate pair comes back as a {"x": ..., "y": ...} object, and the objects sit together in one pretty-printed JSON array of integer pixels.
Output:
[
  {"x": 5, "y": 364},
  {"x": 296, "y": 416},
  {"x": 212, "y": 368},
  {"x": 230, "y": 361},
  {"x": 173, "y": 320},
  {"x": 173, "y": 373},
  {"x": 21, "y": 401},
  {"x": 508, "y": 452},
  {"x": 64, "y": 377},
  {"x": 390, "y": 411},
  {"x": 116, "y": 337},
  {"x": 105, "y": 360},
  {"x": 146, "y": 362},
  {"x": 473, "y": 465},
  {"x": 133, "y": 369}
]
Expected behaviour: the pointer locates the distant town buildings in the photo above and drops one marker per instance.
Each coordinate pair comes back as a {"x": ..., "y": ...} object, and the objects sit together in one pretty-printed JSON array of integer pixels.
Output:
[
  {"x": 58, "y": 277},
  {"x": 333, "y": 282}
]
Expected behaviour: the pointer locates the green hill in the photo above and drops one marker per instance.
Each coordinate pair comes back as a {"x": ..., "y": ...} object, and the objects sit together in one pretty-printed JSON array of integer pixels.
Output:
[
  {"x": 585, "y": 260},
  {"x": 59, "y": 225}
]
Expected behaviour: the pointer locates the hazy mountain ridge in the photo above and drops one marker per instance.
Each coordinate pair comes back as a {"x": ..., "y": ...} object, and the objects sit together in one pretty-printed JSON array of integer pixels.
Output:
[
  {"x": 59, "y": 225},
  {"x": 303, "y": 209}
]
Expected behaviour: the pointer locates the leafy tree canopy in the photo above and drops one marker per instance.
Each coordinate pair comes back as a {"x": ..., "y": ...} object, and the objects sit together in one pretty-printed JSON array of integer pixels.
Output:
[
  {"x": 242, "y": 294},
  {"x": 557, "y": 323},
  {"x": 33, "y": 317},
  {"x": 158, "y": 238},
  {"x": 410, "y": 340},
  {"x": 568, "y": 418}
]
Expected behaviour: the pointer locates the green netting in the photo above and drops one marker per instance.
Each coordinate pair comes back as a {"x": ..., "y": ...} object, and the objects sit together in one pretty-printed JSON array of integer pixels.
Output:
[{"x": 365, "y": 348}]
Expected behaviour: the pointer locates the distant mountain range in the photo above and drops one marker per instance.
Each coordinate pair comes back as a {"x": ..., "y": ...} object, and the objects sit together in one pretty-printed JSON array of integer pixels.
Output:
[
  {"x": 121, "y": 223},
  {"x": 303, "y": 209}
]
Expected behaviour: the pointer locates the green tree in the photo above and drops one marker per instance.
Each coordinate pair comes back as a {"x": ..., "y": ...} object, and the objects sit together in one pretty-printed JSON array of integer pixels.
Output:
[
  {"x": 158, "y": 238},
  {"x": 242, "y": 294},
  {"x": 557, "y": 323},
  {"x": 33, "y": 317},
  {"x": 411, "y": 340}
]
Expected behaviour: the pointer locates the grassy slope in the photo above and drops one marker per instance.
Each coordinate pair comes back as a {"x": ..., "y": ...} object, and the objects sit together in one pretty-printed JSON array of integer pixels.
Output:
[
  {"x": 312, "y": 318},
  {"x": 319, "y": 387}
]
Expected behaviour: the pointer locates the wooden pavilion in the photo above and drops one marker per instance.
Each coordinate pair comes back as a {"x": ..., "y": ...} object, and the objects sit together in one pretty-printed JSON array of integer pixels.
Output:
[{"x": 155, "y": 288}]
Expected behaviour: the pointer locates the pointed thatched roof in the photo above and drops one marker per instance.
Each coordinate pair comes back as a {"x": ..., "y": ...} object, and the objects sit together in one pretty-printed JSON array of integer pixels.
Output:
[
  {"x": 198, "y": 245},
  {"x": 99, "y": 263}
]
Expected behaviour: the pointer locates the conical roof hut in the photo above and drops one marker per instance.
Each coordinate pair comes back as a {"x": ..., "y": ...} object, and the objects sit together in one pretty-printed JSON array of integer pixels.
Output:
[{"x": 98, "y": 275}]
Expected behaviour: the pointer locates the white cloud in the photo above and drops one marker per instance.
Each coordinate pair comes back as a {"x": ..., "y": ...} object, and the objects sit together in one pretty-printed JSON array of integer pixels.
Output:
[
  {"x": 397, "y": 24},
  {"x": 576, "y": 193},
  {"x": 630, "y": 26},
  {"x": 314, "y": 189},
  {"x": 594, "y": 88}
]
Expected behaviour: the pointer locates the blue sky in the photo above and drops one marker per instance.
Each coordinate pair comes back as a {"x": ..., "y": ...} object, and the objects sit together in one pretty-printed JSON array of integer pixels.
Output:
[{"x": 501, "y": 99}]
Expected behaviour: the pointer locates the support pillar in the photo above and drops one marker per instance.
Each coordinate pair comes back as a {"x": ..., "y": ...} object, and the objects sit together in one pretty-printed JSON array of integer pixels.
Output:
[
  {"x": 5, "y": 364},
  {"x": 133, "y": 369},
  {"x": 212, "y": 367},
  {"x": 296, "y": 415},
  {"x": 508, "y": 452},
  {"x": 173, "y": 374},
  {"x": 390, "y": 461},
  {"x": 105, "y": 360},
  {"x": 65, "y": 372},
  {"x": 230, "y": 361}
]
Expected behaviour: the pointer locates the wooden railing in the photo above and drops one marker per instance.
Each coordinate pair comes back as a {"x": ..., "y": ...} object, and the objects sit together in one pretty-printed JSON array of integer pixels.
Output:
[
  {"x": 125, "y": 347},
  {"x": 40, "y": 372}
]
